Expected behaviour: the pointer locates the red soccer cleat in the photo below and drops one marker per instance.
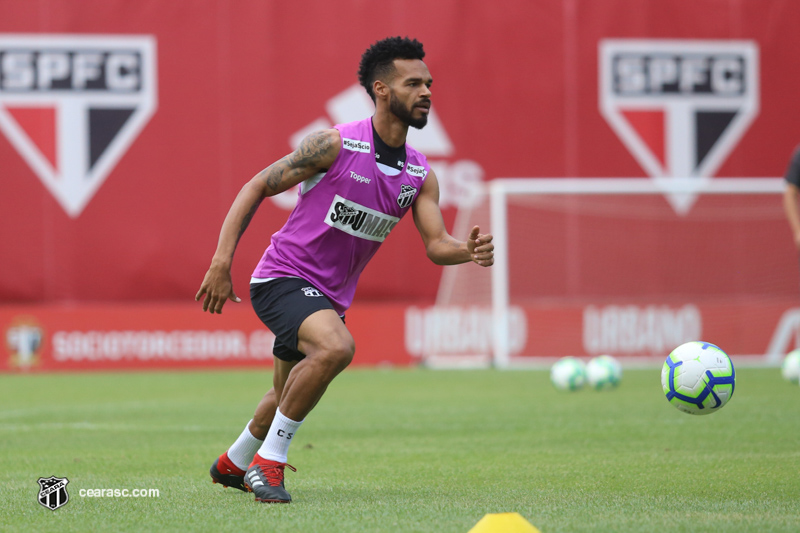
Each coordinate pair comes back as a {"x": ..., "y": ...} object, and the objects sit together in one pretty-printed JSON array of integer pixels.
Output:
[
  {"x": 227, "y": 474},
  {"x": 264, "y": 478}
]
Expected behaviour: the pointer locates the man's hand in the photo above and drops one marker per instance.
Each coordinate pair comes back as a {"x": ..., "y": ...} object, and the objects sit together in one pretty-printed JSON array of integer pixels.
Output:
[
  {"x": 480, "y": 247},
  {"x": 218, "y": 288}
]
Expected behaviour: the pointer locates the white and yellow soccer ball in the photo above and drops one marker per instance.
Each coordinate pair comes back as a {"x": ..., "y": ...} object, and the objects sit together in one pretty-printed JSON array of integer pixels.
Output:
[
  {"x": 790, "y": 369},
  {"x": 603, "y": 372},
  {"x": 698, "y": 378},
  {"x": 568, "y": 373}
]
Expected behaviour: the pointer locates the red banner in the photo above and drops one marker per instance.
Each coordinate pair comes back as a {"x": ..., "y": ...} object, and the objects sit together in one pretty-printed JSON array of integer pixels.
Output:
[
  {"x": 164, "y": 336},
  {"x": 766, "y": 329},
  {"x": 161, "y": 336}
]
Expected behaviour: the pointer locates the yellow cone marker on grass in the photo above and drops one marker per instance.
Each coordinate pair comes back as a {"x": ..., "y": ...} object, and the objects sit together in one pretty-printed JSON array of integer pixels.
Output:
[{"x": 503, "y": 523}]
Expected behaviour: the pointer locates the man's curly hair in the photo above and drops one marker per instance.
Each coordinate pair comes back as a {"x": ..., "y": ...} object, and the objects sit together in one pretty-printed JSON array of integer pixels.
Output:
[{"x": 377, "y": 61}]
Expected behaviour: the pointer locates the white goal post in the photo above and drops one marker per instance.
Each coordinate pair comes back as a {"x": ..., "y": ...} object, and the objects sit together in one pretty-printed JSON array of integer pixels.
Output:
[{"x": 501, "y": 189}]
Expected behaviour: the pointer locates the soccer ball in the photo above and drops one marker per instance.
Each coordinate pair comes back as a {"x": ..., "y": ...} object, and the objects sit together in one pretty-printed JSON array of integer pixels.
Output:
[
  {"x": 603, "y": 372},
  {"x": 698, "y": 378},
  {"x": 568, "y": 373},
  {"x": 790, "y": 370}
]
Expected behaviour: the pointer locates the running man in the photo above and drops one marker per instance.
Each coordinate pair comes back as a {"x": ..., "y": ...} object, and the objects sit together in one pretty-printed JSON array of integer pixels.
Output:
[{"x": 356, "y": 180}]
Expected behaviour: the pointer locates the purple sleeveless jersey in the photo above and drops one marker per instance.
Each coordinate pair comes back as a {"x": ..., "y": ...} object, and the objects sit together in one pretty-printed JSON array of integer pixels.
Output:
[{"x": 339, "y": 222}]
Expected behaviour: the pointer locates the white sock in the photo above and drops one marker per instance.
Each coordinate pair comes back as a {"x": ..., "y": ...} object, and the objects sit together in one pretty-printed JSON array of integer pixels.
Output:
[
  {"x": 279, "y": 437},
  {"x": 242, "y": 451}
]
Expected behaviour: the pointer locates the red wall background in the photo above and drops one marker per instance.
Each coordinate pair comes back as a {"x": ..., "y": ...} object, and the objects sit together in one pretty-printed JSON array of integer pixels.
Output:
[{"x": 515, "y": 88}]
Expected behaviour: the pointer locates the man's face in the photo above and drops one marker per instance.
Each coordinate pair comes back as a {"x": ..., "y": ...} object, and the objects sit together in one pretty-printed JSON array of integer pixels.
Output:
[{"x": 410, "y": 92}]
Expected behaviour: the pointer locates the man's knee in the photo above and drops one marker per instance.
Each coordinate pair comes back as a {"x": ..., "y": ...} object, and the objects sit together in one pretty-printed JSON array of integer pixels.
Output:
[
  {"x": 336, "y": 353},
  {"x": 324, "y": 339}
]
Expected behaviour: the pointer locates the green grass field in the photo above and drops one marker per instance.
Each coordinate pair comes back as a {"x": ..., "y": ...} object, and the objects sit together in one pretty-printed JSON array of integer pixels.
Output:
[{"x": 405, "y": 450}]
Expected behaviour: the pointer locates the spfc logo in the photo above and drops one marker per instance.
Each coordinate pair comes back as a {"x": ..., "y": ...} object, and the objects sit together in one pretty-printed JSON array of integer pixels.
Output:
[
  {"x": 680, "y": 107},
  {"x": 407, "y": 193},
  {"x": 71, "y": 105},
  {"x": 53, "y": 492}
]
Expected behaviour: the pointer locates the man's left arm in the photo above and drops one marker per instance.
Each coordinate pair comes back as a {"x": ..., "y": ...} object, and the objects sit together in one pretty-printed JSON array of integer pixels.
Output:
[{"x": 440, "y": 246}]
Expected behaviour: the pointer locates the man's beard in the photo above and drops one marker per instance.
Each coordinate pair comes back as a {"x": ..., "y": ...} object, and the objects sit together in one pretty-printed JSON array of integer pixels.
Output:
[{"x": 401, "y": 112}]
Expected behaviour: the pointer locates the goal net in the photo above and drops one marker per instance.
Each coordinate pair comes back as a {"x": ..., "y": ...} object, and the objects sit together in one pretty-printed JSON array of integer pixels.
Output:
[{"x": 620, "y": 266}]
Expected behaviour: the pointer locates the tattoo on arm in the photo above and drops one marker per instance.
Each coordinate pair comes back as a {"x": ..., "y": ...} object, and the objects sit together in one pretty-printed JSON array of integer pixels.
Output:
[
  {"x": 309, "y": 155},
  {"x": 247, "y": 218},
  {"x": 274, "y": 174},
  {"x": 311, "y": 150}
]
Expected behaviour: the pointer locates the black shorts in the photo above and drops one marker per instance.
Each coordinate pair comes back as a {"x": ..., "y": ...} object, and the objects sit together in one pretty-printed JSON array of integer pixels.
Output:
[{"x": 282, "y": 305}]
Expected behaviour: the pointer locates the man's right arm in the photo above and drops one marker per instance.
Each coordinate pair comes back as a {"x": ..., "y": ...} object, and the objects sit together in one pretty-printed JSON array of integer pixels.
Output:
[{"x": 316, "y": 153}]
